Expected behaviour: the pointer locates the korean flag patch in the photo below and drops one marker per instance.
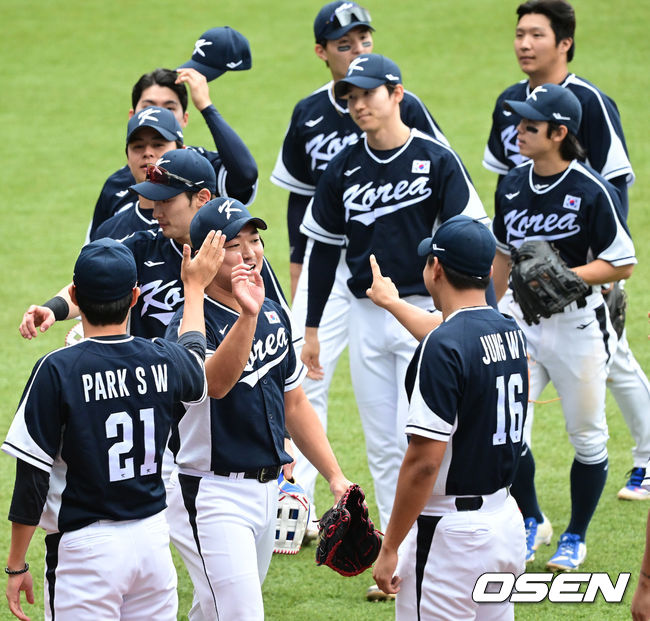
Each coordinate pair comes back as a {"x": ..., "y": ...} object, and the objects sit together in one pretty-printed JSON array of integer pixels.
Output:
[
  {"x": 421, "y": 166},
  {"x": 571, "y": 202},
  {"x": 272, "y": 317}
]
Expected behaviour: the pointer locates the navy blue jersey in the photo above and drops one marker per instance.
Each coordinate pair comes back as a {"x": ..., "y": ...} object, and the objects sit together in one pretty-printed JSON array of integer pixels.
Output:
[
  {"x": 245, "y": 429},
  {"x": 578, "y": 212},
  {"x": 320, "y": 127},
  {"x": 386, "y": 204},
  {"x": 233, "y": 164},
  {"x": 96, "y": 416},
  {"x": 158, "y": 261},
  {"x": 468, "y": 386},
  {"x": 127, "y": 220},
  {"x": 601, "y": 133}
]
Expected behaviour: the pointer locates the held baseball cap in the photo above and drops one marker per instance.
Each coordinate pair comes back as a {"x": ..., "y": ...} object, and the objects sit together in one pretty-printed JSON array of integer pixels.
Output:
[
  {"x": 219, "y": 50},
  {"x": 160, "y": 119},
  {"x": 368, "y": 71},
  {"x": 337, "y": 18},
  {"x": 180, "y": 170},
  {"x": 105, "y": 271},
  {"x": 549, "y": 102},
  {"x": 223, "y": 214},
  {"x": 463, "y": 244}
]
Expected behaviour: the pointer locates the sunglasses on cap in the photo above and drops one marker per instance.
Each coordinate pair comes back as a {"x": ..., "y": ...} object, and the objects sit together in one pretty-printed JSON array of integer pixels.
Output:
[
  {"x": 157, "y": 174},
  {"x": 346, "y": 14}
]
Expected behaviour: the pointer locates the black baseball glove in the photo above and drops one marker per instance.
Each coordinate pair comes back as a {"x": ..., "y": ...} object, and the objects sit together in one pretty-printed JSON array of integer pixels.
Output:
[
  {"x": 616, "y": 300},
  {"x": 541, "y": 282},
  {"x": 347, "y": 539}
]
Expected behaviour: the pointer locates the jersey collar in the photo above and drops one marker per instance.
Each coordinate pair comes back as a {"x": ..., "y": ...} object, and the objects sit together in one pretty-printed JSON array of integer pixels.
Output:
[{"x": 330, "y": 93}]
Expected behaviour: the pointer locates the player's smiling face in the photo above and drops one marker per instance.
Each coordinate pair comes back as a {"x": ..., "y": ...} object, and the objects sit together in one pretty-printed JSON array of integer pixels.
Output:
[
  {"x": 535, "y": 45},
  {"x": 147, "y": 146},
  {"x": 372, "y": 109},
  {"x": 162, "y": 97},
  {"x": 175, "y": 215},
  {"x": 246, "y": 243},
  {"x": 339, "y": 53}
]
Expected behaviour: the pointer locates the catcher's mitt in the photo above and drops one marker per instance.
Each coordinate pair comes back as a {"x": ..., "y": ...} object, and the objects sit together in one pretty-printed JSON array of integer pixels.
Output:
[
  {"x": 542, "y": 283},
  {"x": 293, "y": 515},
  {"x": 616, "y": 300},
  {"x": 347, "y": 539}
]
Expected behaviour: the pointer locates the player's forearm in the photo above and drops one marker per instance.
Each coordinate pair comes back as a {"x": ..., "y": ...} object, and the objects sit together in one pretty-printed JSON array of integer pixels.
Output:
[
  {"x": 414, "y": 486},
  {"x": 323, "y": 261},
  {"x": 193, "y": 317},
  {"x": 600, "y": 272},
  {"x": 21, "y": 536},
  {"x": 501, "y": 273},
  {"x": 224, "y": 368},
  {"x": 417, "y": 321},
  {"x": 308, "y": 435}
]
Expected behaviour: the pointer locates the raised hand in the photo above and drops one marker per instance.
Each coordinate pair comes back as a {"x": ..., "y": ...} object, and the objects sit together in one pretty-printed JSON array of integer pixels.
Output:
[
  {"x": 201, "y": 270},
  {"x": 247, "y": 287}
]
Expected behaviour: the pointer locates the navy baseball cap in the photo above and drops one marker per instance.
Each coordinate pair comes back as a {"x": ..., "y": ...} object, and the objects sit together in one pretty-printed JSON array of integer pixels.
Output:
[
  {"x": 223, "y": 214},
  {"x": 337, "y": 18},
  {"x": 180, "y": 170},
  {"x": 160, "y": 119},
  {"x": 463, "y": 244},
  {"x": 549, "y": 102},
  {"x": 368, "y": 71},
  {"x": 219, "y": 50},
  {"x": 105, "y": 271}
]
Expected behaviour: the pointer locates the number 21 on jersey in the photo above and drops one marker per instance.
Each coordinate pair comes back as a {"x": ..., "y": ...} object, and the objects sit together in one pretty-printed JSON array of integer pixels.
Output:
[{"x": 121, "y": 423}]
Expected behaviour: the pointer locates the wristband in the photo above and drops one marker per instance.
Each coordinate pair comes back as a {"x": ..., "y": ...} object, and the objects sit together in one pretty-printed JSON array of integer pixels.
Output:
[
  {"x": 59, "y": 307},
  {"x": 11, "y": 572}
]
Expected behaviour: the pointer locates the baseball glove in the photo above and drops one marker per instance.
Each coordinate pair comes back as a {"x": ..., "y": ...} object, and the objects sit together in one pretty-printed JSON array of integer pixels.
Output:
[
  {"x": 347, "y": 539},
  {"x": 542, "y": 283},
  {"x": 75, "y": 334},
  {"x": 293, "y": 515},
  {"x": 616, "y": 300}
]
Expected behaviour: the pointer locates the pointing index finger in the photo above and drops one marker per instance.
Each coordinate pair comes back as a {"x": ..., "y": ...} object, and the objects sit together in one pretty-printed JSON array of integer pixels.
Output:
[{"x": 374, "y": 266}]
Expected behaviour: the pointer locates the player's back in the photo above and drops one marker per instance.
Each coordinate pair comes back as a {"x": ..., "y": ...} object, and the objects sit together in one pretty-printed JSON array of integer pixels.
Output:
[
  {"x": 479, "y": 356},
  {"x": 99, "y": 414}
]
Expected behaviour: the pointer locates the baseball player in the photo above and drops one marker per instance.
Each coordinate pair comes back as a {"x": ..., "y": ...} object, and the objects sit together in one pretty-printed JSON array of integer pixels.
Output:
[
  {"x": 222, "y": 511},
  {"x": 88, "y": 437},
  {"x": 233, "y": 163},
  {"x": 177, "y": 186},
  {"x": 554, "y": 197},
  {"x": 468, "y": 387},
  {"x": 381, "y": 195},
  {"x": 544, "y": 46},
  {"x": 320, "y": 127}
]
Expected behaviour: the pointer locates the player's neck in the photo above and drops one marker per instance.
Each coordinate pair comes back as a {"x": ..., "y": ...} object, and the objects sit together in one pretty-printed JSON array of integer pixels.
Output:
[
  {"x": 550, "y": 164},
  {"x": 109, "y": 330},
  {"x": 550, "y": 75},
  {"x": 454, "y": 299},
  {"x": 388, "y": 137},
  {"x": 223, "y": 296}
]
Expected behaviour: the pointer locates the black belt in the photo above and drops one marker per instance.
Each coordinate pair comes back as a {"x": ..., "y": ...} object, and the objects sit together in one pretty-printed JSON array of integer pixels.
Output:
[
  {"x": 471, "y": 503},
  {"x": 263, "y": 475}
]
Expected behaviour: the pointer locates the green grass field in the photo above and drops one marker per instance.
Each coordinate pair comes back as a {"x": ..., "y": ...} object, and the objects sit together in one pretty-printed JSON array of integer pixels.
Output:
[{"x": 67, "y": 70}]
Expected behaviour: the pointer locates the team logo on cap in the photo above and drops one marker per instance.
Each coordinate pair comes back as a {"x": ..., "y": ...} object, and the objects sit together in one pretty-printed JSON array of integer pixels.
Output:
[
  {"x": 539, "y": 89},
  {"x": 557, "y": 116},
  {"x": 147, "y": 115},
  {"x": 571, "y": 202},
  {"x": 228, "y": 208},
  {"x": 200, "y": 43},
  {"x": 436, "y": 247},
  {"x": 421, "y": 166},
  {"x": 232, "y": 64},
  {"x": 392, "y": 78},
  {"x": 355, "y": 64}
]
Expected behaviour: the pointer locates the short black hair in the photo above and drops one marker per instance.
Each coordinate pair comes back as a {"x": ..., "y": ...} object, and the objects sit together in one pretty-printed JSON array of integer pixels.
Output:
[
  {"x": 104, "y": 313},
  {"x": 461, "y": 281},
  {"x": 161, "y": 77},
  {"x": 570, "y": 147},
  {"x": 560, "y": 14}
]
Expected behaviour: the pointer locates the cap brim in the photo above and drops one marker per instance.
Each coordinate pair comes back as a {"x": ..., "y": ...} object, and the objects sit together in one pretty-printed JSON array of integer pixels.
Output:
[
  {"x": 339, "y": 32},
  {"x": 232, "y": 230},
  {"x": 156, "y": 191},
  {"x": 210, "y": 73},
  {"x": 342, "y": 87},
  {"x": 165, "y": 133},
  {"x": 524, "y": 110},
  {"x": 425, "y": 247}
]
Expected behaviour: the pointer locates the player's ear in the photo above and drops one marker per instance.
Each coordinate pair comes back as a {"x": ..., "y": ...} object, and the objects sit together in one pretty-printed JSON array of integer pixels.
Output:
[
  {"x": 186, "y": 116},
  {"x": 565, "y": 45},
  {"x": 320, "y": 52},
  {"x": 398, "y": 93},
  {"x": 203, "y": 196},
  {"x": 136, "y": 295},
  {"x": 131, "y": 113},
  {"x": 73, "y": 295}
]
